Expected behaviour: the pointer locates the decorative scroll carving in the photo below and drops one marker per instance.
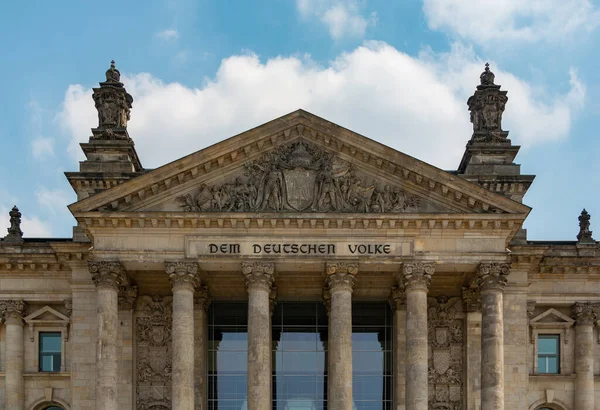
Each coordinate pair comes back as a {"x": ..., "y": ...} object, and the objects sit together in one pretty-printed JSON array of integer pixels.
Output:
[
  {"x": 585, "y": 235},
  {"x": 107, "y": 274},
  {"x": 584, "y": 313},
  {"x": 341, "y": 275},
  {"x": 69, "y": 307},
  {"x": 259, "y": 274},
  {"x": 471, "y": 299},
  {"x": 183, "y": 274},
  {"x": 203, "y": 299},
  {"x": 127, "y": 296},
  {"x": 445, "y": 319},
  {"x": 13, "y": 310},
  {"x": 417, "y": 275},
  {"x": 153, "y": 338},
  {"x": 397, "y": 299},
  {"x": 492, "y": 275},
  {"x": 530, "y": 308},
  {"x": 299, "y": 177}
]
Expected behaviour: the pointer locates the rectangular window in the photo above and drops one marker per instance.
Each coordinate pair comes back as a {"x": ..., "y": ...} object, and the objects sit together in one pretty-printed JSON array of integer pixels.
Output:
[
  {"x": 548, "y": 354},
  {"x": 50, "y": 351}
]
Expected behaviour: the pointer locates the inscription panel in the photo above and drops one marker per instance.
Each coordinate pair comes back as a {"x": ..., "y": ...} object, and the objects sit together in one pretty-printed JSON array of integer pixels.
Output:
[{"x": 297, "y": 247}]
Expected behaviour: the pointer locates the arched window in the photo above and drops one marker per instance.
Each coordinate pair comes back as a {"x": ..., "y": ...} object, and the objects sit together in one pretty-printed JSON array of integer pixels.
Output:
[{"x": 53, "y": 407}]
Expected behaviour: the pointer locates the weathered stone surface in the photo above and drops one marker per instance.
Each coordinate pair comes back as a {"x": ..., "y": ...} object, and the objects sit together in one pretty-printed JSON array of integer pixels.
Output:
[{"x": 13, "y": 311}]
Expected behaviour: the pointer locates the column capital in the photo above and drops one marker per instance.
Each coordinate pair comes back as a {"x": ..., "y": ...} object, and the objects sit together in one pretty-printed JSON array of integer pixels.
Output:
[
  {"x": 127, "y": 297},
  {"x": 203, "y": 298},
  {"x": 397, "y": 299},
  {"x": 183, "y": 274},
  {"x": 341, "y": 275},
  {"x": 13, "y": 311},
  {"x": 492, "y": 276},
  {"x": 584, "y": 313},
  {"x": 259, "y": 274},
  {"x": 472, "y": 299},
  {"x": 417, "y": 275},
  {"x": 106, "y": 274}
]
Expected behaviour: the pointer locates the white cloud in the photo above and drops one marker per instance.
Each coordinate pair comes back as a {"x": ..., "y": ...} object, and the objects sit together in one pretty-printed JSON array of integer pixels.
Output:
[
  {"x": 55, "y": 200},
  {"x": 41, "y": 146},
  {"x": 414, "y": 104},
  {"x": 343, "y": 18},
  {"x": 167, "y": 35},
  {"x": 512, "y": 20},
  {"x": 32, "y": 226}
]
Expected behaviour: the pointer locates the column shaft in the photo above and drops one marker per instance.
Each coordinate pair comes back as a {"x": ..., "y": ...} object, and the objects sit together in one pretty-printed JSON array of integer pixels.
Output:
[
  {"x": 184, "y": 279},
  {"x": 201, "y": 347},
  {"x": 340, "y": 281},
  {"x": 492, "y": 278},
  {"x": 398, "y": 304},
  {"x": 107, "y": 276},
  {"x": 14, "y": 366},
  {"x": 416, "y": 279},
  {"x": 259, "y": 278},
  {"x": 584, "y": 356}
]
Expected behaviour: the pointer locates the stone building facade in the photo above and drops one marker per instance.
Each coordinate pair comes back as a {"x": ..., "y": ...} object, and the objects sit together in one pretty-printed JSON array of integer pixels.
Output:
[{"x": 299, "y": 265}]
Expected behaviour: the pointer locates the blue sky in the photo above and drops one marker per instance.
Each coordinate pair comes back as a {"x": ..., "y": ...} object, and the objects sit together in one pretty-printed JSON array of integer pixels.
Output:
[{"x": 399, "y": 72}]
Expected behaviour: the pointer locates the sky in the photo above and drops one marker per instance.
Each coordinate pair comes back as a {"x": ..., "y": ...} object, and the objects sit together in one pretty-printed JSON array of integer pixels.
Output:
[{"x": 399, "y": 72}]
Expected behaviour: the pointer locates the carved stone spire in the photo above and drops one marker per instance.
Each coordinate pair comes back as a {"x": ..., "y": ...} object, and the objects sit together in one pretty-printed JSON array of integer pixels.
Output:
[
  {"x": 584, "y": 235},
  {"x": 15, "y": 235},
  {"x": 114, "y": 105},
  {"x": 487, "y": 106}
]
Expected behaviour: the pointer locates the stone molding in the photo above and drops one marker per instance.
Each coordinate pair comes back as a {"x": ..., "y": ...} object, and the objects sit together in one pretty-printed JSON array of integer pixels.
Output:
[
  {"x": 417, "y": 275},
  {"x": 584, "y": 313},
  {"x": 202, "y": 299},
  {"x": 397, "y": 299},
  {"x": 492, "y": 276},
  {"x": 327, "y": 298},
  {"x": 183, "y": 274},
  {"x": 69, "y": 307},
  {"x": 13, "y": 311},
  {"x": 107, "y": 274},
  {"x": 259, "y": 274},
  {"x": 272, "y": 299},
  {"x": 127, "y": 297},
  {"x": 472, "y": 299},
  {"x": 341, "y": 275},
  {"x": 530, "y": 308}
]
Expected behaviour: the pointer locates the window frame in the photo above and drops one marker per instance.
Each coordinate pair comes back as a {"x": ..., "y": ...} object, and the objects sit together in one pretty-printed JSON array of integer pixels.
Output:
[
  {"x": 40, "y": 332},
  {"x": 551, "y": 322},
  {"x": 558, "y": 354}
]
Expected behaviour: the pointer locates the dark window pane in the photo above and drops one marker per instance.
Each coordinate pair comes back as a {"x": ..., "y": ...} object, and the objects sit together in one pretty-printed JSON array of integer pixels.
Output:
[
  {"x": 50, "y": 341},
  {"x": 231, "y": 362},
  {"x": 548, "y": 344},
  {"x": 298, "y": 339},
  {"x": 552, "y": 364},
  {"x": 50, "y": 345},
  {"x": 367, "y": 363}
]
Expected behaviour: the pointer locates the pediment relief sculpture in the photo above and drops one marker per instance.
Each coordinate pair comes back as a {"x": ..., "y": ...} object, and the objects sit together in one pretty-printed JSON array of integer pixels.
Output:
[{"x": 302, "y": 178}]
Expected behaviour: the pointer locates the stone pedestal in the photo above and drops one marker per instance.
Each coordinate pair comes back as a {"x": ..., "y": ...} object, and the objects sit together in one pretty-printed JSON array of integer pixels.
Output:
[
  {"x": 340, "y": 282},
  {"x": 398, "y": 305},
  {"x": 14, "y": 384},
  {"x": 259, "y": 279},
  {"x": 492, "y": 278},
  {"x": 184, "y": 279},
  {"x": 107, "y": 277},
  {"x": 584, "y": 356},
  {"x": 415, "y": 279},
  {"x": 202, "y": 303}
]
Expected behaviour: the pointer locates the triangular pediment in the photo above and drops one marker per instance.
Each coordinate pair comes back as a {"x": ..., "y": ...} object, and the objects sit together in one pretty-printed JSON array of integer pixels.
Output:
[
  {"x": 46, "y": 315},
  {"x": 551, "y": 317},
  {"x": 299, "y": 163}
]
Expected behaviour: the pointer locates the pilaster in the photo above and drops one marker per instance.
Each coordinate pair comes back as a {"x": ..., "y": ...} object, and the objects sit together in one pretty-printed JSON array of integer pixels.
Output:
[
  {"x": 13, "y": 311},
  {"x": 585, "y": 316},
  {"x": 398, "y": 304}
]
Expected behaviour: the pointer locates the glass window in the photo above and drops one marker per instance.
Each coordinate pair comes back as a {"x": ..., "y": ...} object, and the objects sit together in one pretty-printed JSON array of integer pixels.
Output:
[
  {"x": 548, "y": 354},
  {"x": 53, "y": 408},
  {"x": 50, "y": 351}
]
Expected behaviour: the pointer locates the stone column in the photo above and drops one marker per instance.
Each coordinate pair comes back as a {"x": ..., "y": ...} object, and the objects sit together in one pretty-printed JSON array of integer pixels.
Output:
[
  {"x": 416, "y": 277},
  {"x": 584, "y": 356},
  {"x": 202, "y": 303},
  {"x": 127, "y": 299},
  {"x": 492, "y": 278},
  {"x": 184, "y": 279},
  {"x": 272, "y": 344},
  {"x": 107, "y": 277},
  {"x": 259, "y": 279},
  {"x": 340, "y": 277},
  {"x": 398, "y": 305},
  {"x": 14, "y": 384}
]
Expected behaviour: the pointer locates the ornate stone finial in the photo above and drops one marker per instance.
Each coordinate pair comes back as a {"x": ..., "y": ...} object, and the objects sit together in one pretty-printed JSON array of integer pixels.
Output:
[
  {"x": 585, "y": 235},
  {"x": 584, "y": 313},
  {"x": 183, "y": 274},
  {"x": 259, "y": 274},
  {"x": 417, "y": 275},
  {"x": 107, "y": 274},
  {"x": 487, "y": 106},
  {"x": 13, "y": 310},
  {"x": 114, "y": 106},
  {"x": 487, "y": 77},
  {"x": 15, "y": 235},
  {"x": 472, "y": 299},
  {"x": 127, "y": 297},
  {"x": 397, "y": 299},
  {"x": 341, "y": 275},
  {"x": 492, "y": 276},
  {"x": 203, "y": 298}
]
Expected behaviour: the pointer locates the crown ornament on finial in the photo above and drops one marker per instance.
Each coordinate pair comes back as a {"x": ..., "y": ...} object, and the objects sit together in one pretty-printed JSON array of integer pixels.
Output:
[
  {"x": 584, "y": 235},
  {"x": 487, "y": 77},
  {"x": 15, "y": 234},
  {"x": 112, "y": 74}
]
